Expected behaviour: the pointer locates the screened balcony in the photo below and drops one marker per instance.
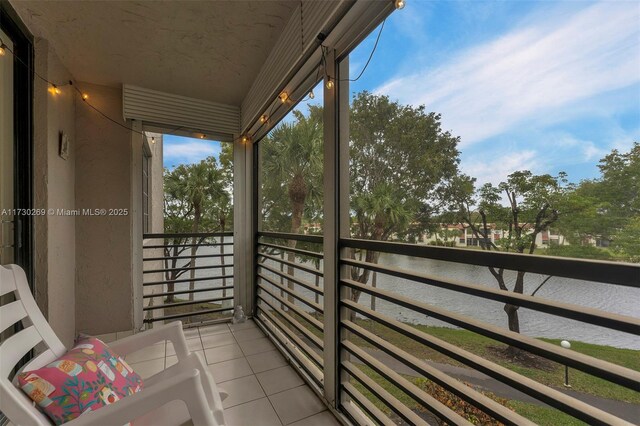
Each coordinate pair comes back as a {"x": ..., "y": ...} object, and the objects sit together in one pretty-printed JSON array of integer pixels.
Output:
[{"x": 348, "y": 319}]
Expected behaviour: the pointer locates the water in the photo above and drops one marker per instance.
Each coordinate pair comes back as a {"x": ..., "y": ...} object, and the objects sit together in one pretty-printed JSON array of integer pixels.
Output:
[{"x": 606, "y": 297}]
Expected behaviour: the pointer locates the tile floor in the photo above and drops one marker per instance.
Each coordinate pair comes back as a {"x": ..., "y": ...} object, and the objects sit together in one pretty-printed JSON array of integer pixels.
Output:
[{"x": 263, "y": 389}]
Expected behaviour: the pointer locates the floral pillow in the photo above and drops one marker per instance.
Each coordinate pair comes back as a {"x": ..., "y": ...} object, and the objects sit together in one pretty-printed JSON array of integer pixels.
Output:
[{"x": 86, "y": 378}]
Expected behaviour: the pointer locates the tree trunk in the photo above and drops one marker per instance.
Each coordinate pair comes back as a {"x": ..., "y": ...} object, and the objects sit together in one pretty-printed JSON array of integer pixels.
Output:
[
  {"x": 298, "y": 192},
  {"x": 194, "y": 250},
  {"x": 171, "y": 275}
]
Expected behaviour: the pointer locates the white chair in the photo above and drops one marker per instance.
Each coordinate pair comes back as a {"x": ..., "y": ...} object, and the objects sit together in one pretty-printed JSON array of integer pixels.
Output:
[{"x": 158, "y": 403}]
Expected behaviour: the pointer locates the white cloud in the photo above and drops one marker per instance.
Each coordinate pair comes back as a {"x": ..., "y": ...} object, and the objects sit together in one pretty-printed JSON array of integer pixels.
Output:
[
  {"x": 495, "y": 168},
  {"x": 533, "y": 74},
  {"x": 189, "y": 152}
]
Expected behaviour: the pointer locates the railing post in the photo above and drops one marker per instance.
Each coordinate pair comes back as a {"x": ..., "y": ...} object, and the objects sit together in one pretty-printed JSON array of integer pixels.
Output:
[
  {"x": 336, "y": 214},
  {"x": 244, "y": 223}
]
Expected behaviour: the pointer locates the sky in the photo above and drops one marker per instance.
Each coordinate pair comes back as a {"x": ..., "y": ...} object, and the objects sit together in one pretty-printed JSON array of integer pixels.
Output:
[{"x": 546, "y": 86}]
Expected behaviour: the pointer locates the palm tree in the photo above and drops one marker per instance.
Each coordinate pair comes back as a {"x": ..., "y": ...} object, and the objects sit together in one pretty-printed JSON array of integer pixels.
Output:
[
  {"x": 292, "y": 162},
  {"x": 196, "y": 188}
]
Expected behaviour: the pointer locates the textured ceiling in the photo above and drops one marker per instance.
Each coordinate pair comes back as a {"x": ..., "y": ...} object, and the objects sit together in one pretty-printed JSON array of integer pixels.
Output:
[{"x": 209, "y": 50}]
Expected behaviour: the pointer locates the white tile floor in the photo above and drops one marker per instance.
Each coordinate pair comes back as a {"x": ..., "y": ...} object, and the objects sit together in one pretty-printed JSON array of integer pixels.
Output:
[{"x": 263, "y": 389}]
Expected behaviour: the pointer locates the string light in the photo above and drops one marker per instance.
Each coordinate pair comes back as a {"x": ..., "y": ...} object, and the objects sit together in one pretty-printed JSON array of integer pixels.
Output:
[
  {"x": 400, "y": 4},
  {"x": 54, "y": 90},
  {"x": 202, "y": 136},
  {"x": 85, "y": 96},
  {"x": 329, "y": 84},
  {"x": 311, "y": 95},
  {"x": 153, "y": 140},
  {"x": 3, "y": 49},
  {"x": 284, "y": 96},
  {"x": 246, "y": 139},
  {"x": 263, "y": 118}
]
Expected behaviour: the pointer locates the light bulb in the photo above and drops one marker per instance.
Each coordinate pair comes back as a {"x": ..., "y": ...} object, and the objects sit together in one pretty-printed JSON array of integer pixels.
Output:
[
  {"x": 245, "y": 139},
  {"x": 203, "y": 136},
  {"x": 400, "y": 4},
  {"x": 85, "y": 96},
  {"x": 3, "y": 49},
  {"x": 311, "y": 95},
  {"x": 263, "y": 119},
  {"x": 54, "y": 90},
  {"x": 283, "y": 97},
  {"x": 329, "y": 84},
  {"x": 153, "y": 140}
]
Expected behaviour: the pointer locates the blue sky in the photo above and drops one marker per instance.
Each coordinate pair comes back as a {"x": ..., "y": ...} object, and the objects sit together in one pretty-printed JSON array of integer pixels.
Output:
[
  {"x": 181, "y": 150},
  {"x": 547, "y": 86}
]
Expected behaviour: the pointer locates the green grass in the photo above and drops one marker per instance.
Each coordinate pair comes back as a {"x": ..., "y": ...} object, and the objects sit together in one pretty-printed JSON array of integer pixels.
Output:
[
  {"x": 552, "y": 375},
  {"x": 538, "y": 414},
  {"x": 543, "y": 416}
]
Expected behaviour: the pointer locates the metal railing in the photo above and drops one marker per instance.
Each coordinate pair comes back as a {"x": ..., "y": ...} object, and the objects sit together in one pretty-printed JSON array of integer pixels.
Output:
[
  {"x": 290, "y": 296},
  {"x": 362, "y": 350},
  {"x": 188, "y": 276},
  {"x": 380, "y": 364}
]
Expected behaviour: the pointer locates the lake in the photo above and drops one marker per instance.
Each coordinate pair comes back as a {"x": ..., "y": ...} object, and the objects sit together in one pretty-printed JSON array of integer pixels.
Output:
[{"x": 607, "y": 297}]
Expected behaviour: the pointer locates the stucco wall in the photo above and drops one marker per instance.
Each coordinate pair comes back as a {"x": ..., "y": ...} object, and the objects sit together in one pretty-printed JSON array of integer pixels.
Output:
[
  {"x": 54, "y": 184},
  {"x": 104, "y": 293}
]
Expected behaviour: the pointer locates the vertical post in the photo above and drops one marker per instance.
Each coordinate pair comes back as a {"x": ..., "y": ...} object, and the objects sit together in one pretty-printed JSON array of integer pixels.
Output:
[
  {"x": 243, "y": 229},
  {"x": 336, "y": 215},
  {"x": 136, "y": 224}
]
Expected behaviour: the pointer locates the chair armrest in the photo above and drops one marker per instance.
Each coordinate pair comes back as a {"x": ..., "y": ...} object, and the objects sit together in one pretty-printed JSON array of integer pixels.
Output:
[
  {"x": 185, "y": 387},
  {"x": 172, "y": 332}
]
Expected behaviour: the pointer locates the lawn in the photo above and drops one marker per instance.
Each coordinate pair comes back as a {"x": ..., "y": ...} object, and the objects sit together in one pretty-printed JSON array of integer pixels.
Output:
[{"x": 552, "y": 375}]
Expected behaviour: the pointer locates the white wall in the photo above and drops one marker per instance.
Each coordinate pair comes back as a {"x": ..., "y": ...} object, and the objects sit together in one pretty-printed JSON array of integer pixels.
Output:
[
  {"x": 104, "y": 278},
  {"x": 54, "y": 185}
]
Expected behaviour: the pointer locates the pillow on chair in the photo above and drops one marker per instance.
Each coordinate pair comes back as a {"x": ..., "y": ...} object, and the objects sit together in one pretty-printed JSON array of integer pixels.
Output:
[{"x": 86, "y": 378}]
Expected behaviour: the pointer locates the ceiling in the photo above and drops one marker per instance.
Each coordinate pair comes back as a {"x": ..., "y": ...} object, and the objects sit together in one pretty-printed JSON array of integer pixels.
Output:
[{"x": 210, "y": 50}]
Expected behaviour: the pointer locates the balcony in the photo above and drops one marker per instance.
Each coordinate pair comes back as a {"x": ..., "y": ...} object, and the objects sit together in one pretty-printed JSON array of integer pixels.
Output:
[{"x": 349, "y": 320}]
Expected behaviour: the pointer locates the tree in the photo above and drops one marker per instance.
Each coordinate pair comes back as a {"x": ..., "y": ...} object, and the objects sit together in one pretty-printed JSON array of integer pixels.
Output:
[
  {"x": 291, "y": 159},
  {"x": 610, "y": 205},
  {"x": 401, "y": 162},
  {"x": 524, "y": 205},
  {"x": 194, "y": 196}
]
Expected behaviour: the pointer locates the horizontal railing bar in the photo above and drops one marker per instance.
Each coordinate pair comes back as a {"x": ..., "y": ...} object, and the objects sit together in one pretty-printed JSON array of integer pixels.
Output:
[
  {"x": 365, "y": 405},
  {"x": 293, "y": 250},
  {"x": 379, "y": 392},
  {"x": 270, "y": 328},
  {"x": 195, "y": 290},
  {"x": 605, "y": 370},
  {"x": 548, "y": 395},
  {"x": 292, "y": 264},
  {"x": 191, "y": 302},
  {"x": 296, "y": 280},
  {"x": 579, "y": 313},
  {"x": 427, "y": 401},
  {"x": 189, "y": 268},
  {"x": 188, "y": 235},
  {"x": 311, "y": 354},
  {"x": 158, "y": 246},
  {"x": 292, "y": 293},
  {"x": 289, "y": 236},
  {"x": 620, "y": 273},
  {"x": 198, "y": 256},
  {"x": 186, "y": 280},
  {"x": 309, "y": 335},
  {"x": 451, "y": 384},
  {"x": 187, "y": 314},
  {"x": 317, "y": 324}
]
